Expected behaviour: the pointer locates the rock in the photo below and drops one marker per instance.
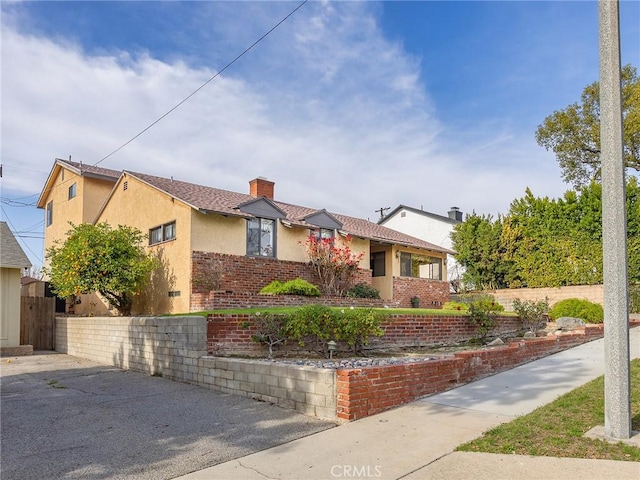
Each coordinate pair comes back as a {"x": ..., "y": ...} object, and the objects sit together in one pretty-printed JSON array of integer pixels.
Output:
[
  {"x": 497, "y": 341},
  {"x": 569, "y": 323},
  {"x": 529, "y": 335}
]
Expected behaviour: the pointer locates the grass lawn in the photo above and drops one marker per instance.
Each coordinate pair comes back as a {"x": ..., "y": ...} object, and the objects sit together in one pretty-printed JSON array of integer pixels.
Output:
[{"x": 557, "y": 429}]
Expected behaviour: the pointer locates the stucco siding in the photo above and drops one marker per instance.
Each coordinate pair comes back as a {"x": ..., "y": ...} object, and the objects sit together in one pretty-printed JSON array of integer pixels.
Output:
[
  {"x": 124, "y": 208},
  {"x": 9, "y": 307}
]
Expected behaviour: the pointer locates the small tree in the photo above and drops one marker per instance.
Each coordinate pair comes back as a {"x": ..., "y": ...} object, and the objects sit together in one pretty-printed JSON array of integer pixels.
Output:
[
  {"x": 335, "y": 266},
  {"x": 97, "y": 258},
  {"x": 483, "y": 311}
]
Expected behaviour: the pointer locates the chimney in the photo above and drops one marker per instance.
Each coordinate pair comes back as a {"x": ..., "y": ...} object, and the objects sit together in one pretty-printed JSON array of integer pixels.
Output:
[
  {"x": 261, "y": 187},
  {"x": 455, "y": 214}
]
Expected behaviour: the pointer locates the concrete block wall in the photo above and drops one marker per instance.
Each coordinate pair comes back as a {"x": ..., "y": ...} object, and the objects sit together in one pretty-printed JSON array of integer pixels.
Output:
[
  {"x": 505, "y": 297},
  {"x": 165, "y": 346},
  {"x": 308, "y": 390}
]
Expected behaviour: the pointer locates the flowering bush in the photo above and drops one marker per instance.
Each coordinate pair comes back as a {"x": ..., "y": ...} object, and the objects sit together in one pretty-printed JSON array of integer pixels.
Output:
[{"x": 335, "y": 266}]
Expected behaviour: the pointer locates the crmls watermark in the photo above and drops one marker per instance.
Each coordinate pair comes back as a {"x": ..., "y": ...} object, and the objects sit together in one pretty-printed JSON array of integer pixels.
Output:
[{"x": 356, "y": 471}]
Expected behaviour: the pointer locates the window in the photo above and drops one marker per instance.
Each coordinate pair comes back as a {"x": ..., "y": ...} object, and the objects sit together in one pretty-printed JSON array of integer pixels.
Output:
[
  {"x": 163, "y": 233},
  {"x": 49, "y": 213},
  {"x": 378, "y": 264},
  {"x": 420, "y": 266},
  {"x": 73, "y": 190},
  {"x": 320, "y": 233},
  {"x": 261, "y": 237},
  {"x": 174, "y": 293}
]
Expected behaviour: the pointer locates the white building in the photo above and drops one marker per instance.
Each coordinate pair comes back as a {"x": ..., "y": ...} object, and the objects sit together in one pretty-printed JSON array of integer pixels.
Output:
[{"x": 429, "y": 227}]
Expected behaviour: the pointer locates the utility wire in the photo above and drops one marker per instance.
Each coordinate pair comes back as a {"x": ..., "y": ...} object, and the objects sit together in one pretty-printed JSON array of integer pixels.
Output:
[{"x": 204, "y": 84}]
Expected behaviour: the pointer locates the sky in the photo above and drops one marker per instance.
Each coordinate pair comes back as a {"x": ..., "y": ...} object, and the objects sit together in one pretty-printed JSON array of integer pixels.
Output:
[{"x": 349, "y": 106}]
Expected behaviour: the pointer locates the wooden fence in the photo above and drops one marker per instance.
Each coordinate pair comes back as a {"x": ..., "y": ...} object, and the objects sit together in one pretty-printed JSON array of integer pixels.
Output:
[{"x": 37, "y": 322}]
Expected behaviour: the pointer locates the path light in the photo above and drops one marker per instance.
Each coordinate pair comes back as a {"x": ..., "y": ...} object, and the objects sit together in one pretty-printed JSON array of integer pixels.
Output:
[{"x": 333, "y": 346}]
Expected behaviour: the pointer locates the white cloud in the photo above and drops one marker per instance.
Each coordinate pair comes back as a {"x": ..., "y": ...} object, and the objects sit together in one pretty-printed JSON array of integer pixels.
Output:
[{"x": 331, "y": 111}]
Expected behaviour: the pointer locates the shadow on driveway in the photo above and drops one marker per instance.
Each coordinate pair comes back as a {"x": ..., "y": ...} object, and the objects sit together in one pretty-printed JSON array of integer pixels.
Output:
[{"x": 65, "y": 417}]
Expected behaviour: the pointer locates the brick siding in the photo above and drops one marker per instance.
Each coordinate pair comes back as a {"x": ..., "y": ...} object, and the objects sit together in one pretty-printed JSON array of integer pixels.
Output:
[{"x": 432, "y": 293}]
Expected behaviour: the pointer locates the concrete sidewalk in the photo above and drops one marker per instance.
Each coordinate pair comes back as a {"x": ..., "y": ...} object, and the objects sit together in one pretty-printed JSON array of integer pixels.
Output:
[{"x": 417, "y": 441}]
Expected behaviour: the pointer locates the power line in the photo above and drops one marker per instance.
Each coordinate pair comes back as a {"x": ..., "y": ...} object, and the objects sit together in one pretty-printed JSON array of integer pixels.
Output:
[
  {"x": 204, "y": 84},
  {"x": 14, "y": 229}
]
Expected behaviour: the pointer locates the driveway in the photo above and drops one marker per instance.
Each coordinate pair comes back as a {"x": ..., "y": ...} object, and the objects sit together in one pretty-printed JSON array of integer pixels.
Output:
[{"x": 64, "y": 417}]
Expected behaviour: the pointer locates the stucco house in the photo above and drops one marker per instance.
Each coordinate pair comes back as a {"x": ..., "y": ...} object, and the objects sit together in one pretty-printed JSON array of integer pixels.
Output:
[
  {"x": 13, "y": 261},
  {"x": 430, "y": 227},
  {"x": 246, "y": 239}
]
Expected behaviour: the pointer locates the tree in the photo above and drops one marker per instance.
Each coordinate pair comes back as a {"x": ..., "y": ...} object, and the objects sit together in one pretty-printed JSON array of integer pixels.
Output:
[
  {"x": 97, "y": 258},
  {"x": 574, "y": 132},
  {"x": 544, "y": 242},
  {"x": 479, "y": 250}
]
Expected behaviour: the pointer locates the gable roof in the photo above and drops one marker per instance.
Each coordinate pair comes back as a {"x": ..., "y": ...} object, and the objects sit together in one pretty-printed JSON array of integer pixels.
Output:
[
  {"x": 79, "y": 169},
  {"x": 224, "y": 202},
  {"x": 435, "y": 216},
  {"x": 11, "y": 253}
]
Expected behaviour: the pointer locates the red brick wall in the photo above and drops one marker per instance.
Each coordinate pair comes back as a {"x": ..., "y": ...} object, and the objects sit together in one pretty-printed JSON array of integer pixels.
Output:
[
  {"x": 432, "y": 293},
  {"x": 370, "y": 390},
  {"x": 229, "y": 335},
  {"x": 242, "y": 274}
]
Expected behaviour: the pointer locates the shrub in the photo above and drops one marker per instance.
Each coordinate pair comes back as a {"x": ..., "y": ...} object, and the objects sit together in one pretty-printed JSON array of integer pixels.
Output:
[
  {"x": 356, "y": 325},
  {"x": 271, "y": 330},
  {"x": 578, "y": 308},
  {"x": 316, "y": 325},
  {"x": 363, "y": 290},
  {"x": 460, "y": 306},
  {"x": 482, "y": 313},
  {"x": 333, "y": 262},
  {"x": 531, "y": 313},
  {"x": 292, "y": 287},
  {"x": 634, "y": 298}
]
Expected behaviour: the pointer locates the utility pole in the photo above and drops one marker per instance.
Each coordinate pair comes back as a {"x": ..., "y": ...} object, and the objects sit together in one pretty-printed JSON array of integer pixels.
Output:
[{"x": 617, "y": 385}]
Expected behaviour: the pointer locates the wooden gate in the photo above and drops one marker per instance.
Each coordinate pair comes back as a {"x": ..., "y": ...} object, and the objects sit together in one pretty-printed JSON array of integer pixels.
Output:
[{"x": 38, "y": 322}]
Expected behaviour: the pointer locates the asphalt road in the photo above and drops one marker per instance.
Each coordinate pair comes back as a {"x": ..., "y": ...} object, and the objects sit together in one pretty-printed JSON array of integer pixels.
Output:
[{"x": 65, "y": 417}]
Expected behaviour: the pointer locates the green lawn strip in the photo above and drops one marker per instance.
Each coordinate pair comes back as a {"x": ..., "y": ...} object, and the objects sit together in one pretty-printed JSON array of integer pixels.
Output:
[{"x": 557, "y": 429}]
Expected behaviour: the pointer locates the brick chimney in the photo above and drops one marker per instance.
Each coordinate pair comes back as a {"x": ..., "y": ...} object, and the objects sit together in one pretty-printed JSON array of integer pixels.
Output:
[{"x": 261, "y": 187}]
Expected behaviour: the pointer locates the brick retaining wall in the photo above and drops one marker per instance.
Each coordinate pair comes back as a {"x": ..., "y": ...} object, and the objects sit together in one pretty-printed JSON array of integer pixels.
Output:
[
  {"x": 370, "y": 390},
  {"x": 229, "y": 334}
]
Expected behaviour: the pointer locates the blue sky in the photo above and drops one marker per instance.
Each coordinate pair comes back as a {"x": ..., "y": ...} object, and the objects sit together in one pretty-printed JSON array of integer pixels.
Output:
[{"x": 348, "y": 106}]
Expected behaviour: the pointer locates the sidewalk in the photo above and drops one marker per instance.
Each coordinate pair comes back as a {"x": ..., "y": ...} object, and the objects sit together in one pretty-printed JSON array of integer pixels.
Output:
[{"x": 417, "y": 441}]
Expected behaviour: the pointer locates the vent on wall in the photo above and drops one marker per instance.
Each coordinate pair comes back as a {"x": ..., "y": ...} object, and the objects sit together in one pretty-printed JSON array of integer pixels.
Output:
[{"x": 125, "y": 185}]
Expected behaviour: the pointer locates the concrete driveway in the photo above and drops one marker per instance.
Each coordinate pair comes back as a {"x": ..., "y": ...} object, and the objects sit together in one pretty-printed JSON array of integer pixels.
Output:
[{"x": 64, "y": 417}]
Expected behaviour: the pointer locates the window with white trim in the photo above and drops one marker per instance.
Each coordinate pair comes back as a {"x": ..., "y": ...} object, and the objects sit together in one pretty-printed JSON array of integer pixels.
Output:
[
  {"x": 321, "y": 233},
  {"x": 163, "y": 233}
]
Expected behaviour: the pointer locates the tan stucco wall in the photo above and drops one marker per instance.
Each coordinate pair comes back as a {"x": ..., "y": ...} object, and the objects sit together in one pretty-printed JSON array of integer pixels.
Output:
[
  {"x": 143, "y": 207},
  {"x": 64, "y": 210},
  {"x": 91, "y": 194},
  {"x": 217, "y": 233},
  {"x": 9, "y": 307}
]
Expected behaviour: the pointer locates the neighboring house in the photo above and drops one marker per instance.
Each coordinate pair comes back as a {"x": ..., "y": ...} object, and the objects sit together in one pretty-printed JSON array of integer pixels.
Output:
[
  {"x": 12, "y": 261},
  {"x": 430, "y": 227},
  {"x": 246, "y": 240},
  {"x": 34, "y": 287}
]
